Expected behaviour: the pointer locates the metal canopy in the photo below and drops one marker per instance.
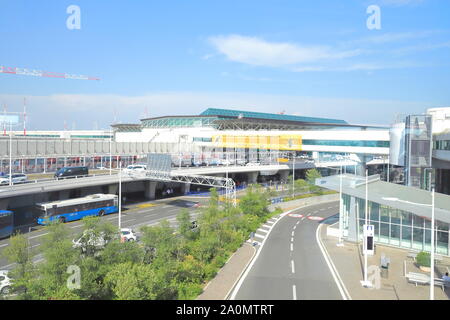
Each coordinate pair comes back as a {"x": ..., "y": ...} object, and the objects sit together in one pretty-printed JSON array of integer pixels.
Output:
[{"x": 396, "y": 196}]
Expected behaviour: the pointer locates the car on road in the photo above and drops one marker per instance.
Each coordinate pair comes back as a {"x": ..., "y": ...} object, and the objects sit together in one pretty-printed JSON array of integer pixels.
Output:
[
  {"x": 5, "y": 282},
  {"x": 15, "y": 178},
  {"x": 135, "y": 168},
  {"x": 71, "y": 172},
  {"x": 89, "y": 239},
  {"x": 226, "y": 162},
  {"x": 127, "y": 234}
]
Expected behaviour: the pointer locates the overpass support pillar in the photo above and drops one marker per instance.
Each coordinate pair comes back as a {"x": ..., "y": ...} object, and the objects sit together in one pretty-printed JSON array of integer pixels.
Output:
[
  {"x": 284, "y": 175},
  {"x": 185, "y": 188},
  {"x": 4, "y": 204},
  {"x": 361, "y": 166},
  {"x": 113, "y": 188},
  {"x": 252, "y": 177},
  {"x": 150, "y": 189},
  {"x": 64, "y": 194}
]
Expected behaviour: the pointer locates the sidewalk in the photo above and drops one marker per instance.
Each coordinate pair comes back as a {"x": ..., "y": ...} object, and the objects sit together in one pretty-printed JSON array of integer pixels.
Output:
[
  {"x": 220, "y": 287},
  {"x": 350, "y": 266}
]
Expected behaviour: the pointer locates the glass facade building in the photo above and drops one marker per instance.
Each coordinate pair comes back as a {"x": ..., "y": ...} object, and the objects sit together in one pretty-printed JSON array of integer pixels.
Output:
[{"x": 396, "y": 227}]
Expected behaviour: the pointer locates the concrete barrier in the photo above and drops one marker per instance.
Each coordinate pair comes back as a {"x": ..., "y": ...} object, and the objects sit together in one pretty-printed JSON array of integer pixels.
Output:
[{"x": 305, "y": 201}]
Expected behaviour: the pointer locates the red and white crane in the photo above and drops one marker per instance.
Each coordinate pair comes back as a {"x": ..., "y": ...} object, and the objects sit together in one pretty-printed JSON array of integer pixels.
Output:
[{"x": 46, "y": 74}]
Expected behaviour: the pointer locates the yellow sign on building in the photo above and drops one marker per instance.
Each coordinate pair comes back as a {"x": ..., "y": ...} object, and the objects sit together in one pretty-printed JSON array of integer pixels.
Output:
[{"x": 272, "y": 142}]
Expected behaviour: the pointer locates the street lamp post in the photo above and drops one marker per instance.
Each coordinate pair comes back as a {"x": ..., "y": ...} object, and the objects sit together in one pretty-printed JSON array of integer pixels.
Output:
[
  {"x": 10, "y": 153},
  {"x": 365, "y": 282},
  {"x": 293, "y": 175},
  {"x": 120, "y": 195}
]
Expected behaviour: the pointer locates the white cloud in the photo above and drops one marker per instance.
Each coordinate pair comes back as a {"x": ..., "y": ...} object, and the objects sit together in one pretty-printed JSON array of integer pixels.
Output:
[
  {"x": 256, "y": 51},
  {"x": 50, "y": 112}
]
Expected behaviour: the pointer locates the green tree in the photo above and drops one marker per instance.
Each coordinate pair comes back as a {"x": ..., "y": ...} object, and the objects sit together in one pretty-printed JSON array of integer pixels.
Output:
[
  {"x": 18, "y": 252},
  {"x": 311, "y": 176},
  {"x": 255, "y": 202},
  {"x": 58, "y": 255},
  {"x": 130, "y": 281}
]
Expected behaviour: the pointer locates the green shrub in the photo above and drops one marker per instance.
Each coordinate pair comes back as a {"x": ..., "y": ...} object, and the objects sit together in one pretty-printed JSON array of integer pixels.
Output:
[{"x": 423, "y": 259}]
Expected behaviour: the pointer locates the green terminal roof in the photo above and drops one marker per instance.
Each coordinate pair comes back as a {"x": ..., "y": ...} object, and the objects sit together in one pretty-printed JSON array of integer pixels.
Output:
[{"x": 268, "y": 116}]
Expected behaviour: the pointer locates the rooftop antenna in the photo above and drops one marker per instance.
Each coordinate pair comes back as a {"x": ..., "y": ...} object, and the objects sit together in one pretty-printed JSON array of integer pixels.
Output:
[
  {"x": 4, "y": 119},
  {"x": 115, "y": 116},
  {"x": 24, "y": 116}
]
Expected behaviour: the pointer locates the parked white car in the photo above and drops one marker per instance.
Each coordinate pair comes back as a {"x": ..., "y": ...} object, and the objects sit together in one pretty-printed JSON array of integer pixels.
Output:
[
  {"x": 135, "y": 168},
  {"x": 127, "y": 234},
  {"x": 5, "y": 282},
  {"x": 89, "y": 239},
  {"x": 16, "y": 178}
]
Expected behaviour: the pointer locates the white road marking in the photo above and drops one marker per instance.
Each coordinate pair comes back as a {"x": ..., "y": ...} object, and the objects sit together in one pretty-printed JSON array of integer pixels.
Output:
[
  {"x": 294, "y": 292},
  {"x": 298, "y": 222},
  {"x": 292, "y": 247},
  {"x": 80, "y": 225},
  {"x": 292, "y": 239},
  {"x": 292, "y": 233},
  {"x": 339, "y": 283},
  {"x": 3, "y": 245},
  {"x": 295, "y": 227},
  {"x": 129, "y": 220},
  {"x": 259, "y": 236},
  {"x": 262, "y": 230},
  {"x": 38, "y": 236},
  {"x": 292, "y": 266}
]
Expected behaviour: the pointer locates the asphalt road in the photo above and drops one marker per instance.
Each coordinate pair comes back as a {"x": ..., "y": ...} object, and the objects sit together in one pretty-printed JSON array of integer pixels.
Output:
[
  {"x": 135, "y": 217},
  {"x": 290, "y": 264}
]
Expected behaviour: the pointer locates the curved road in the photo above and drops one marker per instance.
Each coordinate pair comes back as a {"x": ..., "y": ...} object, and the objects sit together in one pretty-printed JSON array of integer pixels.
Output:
[{"x": 291, "y": 264}]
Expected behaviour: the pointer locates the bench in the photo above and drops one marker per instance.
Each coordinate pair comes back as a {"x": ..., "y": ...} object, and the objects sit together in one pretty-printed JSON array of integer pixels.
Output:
[
  {"x": 413, "y": 255},
  {"x": 443, "y": 284},
  {"x": 417, "y": 278}
]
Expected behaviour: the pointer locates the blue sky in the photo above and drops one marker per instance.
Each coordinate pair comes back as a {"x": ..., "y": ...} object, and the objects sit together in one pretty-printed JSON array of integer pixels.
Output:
[{"x": 312, "y": 58}]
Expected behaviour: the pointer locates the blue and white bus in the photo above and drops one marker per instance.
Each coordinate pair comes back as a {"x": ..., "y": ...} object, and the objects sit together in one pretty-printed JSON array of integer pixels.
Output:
[
  {"x": 6, "y": 223},
  {"x": 76, "y": 209}
]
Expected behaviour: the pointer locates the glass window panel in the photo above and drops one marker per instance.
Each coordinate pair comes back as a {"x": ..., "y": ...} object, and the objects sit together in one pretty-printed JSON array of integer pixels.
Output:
[
  {"x": 442, "y": 242},
  {"x": 395, "y": 235},
  {"x": 384, "y": 213},
  {"x": 407, "y": 218},
  {"x": 427, "y": 223},
  {"x": 406, "y": 236},
  {"x": 427, "y": 244},
  {"x": 417, "y": 221},
  {"x": 374, "y": 211},
  {"x": 395, "y": 216},
  {"x": 441, "y": 226},
  {"x": 384, "y": 232},
  {"x": 362, "y": 208},
  {"x": 417, "y": 238}
]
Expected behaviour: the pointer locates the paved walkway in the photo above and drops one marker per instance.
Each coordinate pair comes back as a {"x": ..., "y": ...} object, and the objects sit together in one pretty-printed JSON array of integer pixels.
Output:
[
  {"x": 220, "y": 287},
  {"x": 350, "y": 265}
]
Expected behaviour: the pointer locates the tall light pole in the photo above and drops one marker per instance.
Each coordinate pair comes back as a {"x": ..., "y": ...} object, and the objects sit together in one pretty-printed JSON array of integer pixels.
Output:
[
  {"x": 10, "y": 153},
  {"x": 110, "y": 151},
  {"x": 365, "y": 282},
  {"x": 432, "y": 247},
  {"x": 120, "y": 195},
  {"x": 293, "y": 175}
]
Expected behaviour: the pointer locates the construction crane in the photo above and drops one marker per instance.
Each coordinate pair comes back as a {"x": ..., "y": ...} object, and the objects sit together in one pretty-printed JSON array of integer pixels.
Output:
[{"x": 38, "y": 73}]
